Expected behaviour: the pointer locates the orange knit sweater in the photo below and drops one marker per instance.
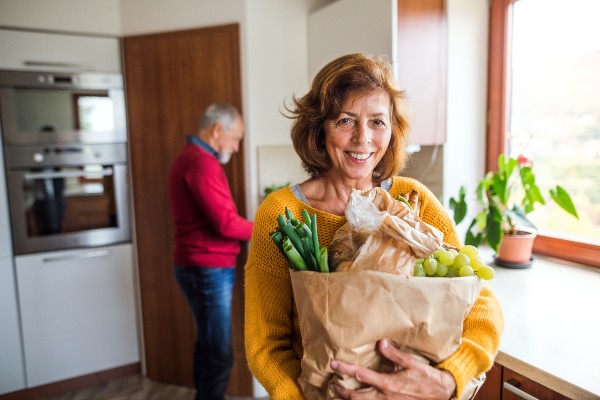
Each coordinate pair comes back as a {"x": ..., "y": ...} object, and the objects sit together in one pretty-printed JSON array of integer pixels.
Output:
[{"x": 272, "y": 332}]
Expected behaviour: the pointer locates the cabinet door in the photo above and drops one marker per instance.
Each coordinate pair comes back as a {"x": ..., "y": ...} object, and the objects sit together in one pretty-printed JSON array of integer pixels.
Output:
[
  {"x": 36, "y": 51},
  {"x": 518, "y": 387},
  {"x": 422, "y": 66},
  {"x": 491, "y": 389},
  {"x": 78, "y": 312}
]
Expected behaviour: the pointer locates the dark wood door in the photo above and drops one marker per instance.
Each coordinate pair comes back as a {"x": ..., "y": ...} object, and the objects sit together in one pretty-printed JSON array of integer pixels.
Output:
[{"x": 170, "y": 78}]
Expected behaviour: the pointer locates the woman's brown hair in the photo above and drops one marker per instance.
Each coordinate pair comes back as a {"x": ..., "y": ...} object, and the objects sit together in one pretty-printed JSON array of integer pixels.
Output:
[{"x": 334, "y": 83}]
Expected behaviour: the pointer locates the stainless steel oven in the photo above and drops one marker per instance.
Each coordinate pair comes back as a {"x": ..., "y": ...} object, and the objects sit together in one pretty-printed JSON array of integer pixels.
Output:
[
  {"x": 65, "y": 153},
  {"x": 40, "y": 107},
  {"x": 67, "y": 196}
]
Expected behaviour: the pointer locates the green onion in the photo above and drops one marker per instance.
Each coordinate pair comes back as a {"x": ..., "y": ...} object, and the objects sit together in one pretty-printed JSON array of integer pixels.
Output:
[
  {"x": 299, "y": 242},
  {"x": 402, "y": 199},
  {"x": 293, "y": 255}
]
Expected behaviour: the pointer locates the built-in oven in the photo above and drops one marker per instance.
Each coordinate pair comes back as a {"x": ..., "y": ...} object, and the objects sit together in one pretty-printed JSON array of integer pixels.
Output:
[
  {"x": 65, "y": 196},
  {"x": 66, "y": 163}
]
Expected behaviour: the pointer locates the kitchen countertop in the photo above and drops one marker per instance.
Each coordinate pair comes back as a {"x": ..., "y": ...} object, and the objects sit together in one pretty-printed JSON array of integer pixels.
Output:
[{"x": 552, "y": 325}]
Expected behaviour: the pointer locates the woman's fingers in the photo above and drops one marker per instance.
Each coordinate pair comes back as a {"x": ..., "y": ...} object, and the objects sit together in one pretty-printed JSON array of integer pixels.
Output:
[{"x": 399, "y": 358}]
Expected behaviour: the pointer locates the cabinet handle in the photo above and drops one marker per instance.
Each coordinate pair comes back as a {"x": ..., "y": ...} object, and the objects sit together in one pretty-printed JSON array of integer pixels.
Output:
[
  {"x": 55, "y": 65},
  {"x": 67, "y": 174},
  {"x": 515, "y": 390},
  {"x": 89, "y": 254}
]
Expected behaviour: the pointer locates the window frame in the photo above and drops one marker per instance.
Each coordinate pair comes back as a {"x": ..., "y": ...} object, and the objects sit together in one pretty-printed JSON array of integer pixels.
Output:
[{"x": 498, "y": 79}]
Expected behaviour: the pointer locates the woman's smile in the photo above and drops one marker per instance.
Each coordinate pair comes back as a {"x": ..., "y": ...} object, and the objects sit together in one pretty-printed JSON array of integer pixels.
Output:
[{"x": 359, "y": 157}]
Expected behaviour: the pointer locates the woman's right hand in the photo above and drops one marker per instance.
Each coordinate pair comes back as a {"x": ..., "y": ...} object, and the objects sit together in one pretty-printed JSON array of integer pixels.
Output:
[{"x": 411, "y": 379}]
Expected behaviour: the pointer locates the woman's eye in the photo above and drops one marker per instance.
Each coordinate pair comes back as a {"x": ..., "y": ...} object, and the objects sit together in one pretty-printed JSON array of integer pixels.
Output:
[
  {"x": 378, "y": 123},
  {"x": 345, "y": 123}
]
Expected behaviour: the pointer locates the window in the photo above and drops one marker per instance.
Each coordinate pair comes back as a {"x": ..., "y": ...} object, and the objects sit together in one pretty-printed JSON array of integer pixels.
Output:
[{"x": 544, "y": 102}]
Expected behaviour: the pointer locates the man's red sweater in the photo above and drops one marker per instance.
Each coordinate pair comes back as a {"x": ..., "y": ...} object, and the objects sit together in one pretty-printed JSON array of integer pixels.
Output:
[{"x": 208, "y": 228}]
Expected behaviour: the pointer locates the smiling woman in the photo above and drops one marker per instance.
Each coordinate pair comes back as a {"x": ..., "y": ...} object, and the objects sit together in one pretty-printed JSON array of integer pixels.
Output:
[{"x": 350, "y": 132}]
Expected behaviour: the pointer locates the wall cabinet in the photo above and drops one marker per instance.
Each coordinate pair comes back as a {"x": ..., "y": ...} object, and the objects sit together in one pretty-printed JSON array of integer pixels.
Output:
[
  {"x": 35, "y": 51},
  {"x": 505, "y": 384},
  {"x": 77, "y": 312}
]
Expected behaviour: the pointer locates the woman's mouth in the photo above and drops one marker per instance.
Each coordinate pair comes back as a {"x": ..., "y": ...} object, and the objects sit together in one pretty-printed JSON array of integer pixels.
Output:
[{"x": 359, "y": 156}]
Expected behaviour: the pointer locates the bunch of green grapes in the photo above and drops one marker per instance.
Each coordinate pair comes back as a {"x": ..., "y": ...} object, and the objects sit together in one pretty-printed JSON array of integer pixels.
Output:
[{"x": 451, "y": 263}]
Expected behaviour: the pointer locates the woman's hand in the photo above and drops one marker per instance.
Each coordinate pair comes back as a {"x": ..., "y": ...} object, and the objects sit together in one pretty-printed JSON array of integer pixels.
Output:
[{"x": 411, "y": 379}]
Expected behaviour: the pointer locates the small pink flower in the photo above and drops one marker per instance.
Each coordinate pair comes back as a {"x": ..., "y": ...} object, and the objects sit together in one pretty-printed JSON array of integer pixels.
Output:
[{"x": 524, "y": 161}]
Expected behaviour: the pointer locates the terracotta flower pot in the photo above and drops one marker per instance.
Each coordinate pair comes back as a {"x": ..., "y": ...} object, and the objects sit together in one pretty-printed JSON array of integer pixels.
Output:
[{"x": 517, "y": 248}]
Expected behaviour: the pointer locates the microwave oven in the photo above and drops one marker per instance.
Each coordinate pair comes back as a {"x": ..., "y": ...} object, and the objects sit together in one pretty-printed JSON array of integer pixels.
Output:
[{"x": 53, "y": 107}]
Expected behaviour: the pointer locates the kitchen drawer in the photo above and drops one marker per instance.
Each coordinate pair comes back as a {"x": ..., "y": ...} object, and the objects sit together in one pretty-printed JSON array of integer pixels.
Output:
[
  {"x": 78, "y": 312},
  {"x": 518, "y": 387},
  {"x": 35, "y": 51}
]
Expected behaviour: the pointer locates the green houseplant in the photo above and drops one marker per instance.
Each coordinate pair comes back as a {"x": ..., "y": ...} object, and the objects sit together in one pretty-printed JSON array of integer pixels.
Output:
[{"x": 506, "y": 196}]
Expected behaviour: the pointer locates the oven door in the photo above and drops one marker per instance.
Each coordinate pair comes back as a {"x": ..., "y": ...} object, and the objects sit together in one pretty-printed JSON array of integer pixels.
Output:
[{"x": 66, "y": 207}]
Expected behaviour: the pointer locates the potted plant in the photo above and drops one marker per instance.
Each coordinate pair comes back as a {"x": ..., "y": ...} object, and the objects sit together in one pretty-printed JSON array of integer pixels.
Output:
[{"x": 506, "y": 196}]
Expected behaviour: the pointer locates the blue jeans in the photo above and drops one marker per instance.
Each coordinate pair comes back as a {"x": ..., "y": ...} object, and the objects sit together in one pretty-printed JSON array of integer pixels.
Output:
[{"x": 209, "y": 292}]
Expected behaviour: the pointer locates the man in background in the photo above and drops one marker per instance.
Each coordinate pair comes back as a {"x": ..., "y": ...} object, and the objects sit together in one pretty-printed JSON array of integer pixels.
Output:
[{"x": 208, "y": 231}]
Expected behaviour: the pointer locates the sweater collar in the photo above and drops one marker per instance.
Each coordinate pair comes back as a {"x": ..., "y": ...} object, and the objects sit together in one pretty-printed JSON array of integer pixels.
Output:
[{"x": 199, "y": 142}]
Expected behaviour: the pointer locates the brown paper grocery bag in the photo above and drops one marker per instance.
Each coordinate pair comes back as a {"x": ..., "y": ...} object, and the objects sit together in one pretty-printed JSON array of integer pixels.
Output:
[
  {"x": 381, "y": 234},
  {"x": 344, "y": 314}
]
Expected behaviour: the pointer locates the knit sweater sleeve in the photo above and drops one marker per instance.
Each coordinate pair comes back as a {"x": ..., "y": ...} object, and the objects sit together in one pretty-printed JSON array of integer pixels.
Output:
[
  {"x": 272, "y": 342},
  {"x": 483, "y": 326}
]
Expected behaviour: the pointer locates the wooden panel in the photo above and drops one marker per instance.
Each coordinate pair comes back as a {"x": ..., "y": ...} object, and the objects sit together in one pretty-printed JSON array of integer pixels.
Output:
[
  {"x": 528, "y": 386},
  {"x": 170, "y": 79},
  {"x": 492, "y": 387},
  {"x": 421, "y": 66}
]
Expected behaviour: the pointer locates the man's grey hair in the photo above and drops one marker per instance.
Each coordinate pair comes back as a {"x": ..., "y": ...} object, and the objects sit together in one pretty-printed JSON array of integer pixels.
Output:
[{"x": 222, "y": 113}]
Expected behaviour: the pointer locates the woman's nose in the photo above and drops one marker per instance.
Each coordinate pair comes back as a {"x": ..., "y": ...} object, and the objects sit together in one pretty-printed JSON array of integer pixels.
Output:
[{"x": 362, "y": 134}]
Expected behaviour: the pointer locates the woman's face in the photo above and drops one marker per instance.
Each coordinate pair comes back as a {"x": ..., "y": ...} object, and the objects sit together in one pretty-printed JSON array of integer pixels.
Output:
[{"x": 357, "y": 139}]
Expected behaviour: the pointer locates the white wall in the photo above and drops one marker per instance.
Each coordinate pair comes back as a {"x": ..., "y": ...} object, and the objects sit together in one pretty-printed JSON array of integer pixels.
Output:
[
  {"x": 148, "y": 16},
  {"x": 84, "y": 16},
  {"x": 464, "y": 150}
]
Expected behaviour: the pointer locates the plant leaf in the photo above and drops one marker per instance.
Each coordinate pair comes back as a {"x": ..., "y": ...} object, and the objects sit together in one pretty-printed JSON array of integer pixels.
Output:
[
  {"x": 459, "y": 207},
  {"x": 562, "y": 198},
  {"x": 520, "y": 215},
  {"x": 472, "y": 237},
  {"x": 493, "y": 228},
  {"x": 532, "y": 195}
]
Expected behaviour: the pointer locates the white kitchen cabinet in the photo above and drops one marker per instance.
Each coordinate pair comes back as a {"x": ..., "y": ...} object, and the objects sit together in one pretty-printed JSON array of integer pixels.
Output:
[
  {"x": 38, "y": 51},
  {"x": 77, "y": 311}
]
